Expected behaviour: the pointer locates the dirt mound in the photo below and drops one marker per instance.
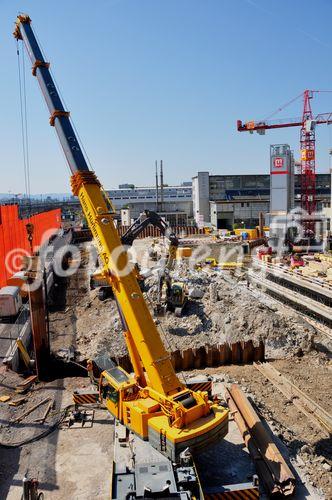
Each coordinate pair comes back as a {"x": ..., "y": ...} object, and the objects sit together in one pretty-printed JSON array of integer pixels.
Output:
[
  {"x": 227, "y": 312},
  {"x": 234, "y": 314}
]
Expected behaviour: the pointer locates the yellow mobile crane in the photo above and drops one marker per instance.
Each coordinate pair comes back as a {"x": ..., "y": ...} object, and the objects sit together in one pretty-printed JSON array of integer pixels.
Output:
[{"x": 153, "y": 403}]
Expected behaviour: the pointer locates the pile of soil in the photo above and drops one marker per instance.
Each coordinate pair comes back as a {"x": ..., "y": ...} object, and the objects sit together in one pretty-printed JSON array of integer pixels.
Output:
[{"x": 227, "y": 312}]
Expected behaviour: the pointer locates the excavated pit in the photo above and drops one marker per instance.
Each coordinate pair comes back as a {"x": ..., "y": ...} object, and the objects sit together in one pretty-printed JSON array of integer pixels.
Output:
[{"x": 227, "y": 312}]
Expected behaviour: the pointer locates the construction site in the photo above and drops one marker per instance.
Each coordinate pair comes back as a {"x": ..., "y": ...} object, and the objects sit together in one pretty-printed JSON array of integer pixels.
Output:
[{"x": 143, "y": 358}]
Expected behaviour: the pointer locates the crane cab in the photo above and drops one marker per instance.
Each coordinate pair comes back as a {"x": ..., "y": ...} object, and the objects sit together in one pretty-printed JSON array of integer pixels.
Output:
[{"x": 116, "y": 386}]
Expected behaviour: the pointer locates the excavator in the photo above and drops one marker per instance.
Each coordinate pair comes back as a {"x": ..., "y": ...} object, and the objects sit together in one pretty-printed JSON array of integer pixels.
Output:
[
  {"x": 172, "y": 295},
  {"x": 99, "y": 278},
  {"x": 153, "y": 402}
]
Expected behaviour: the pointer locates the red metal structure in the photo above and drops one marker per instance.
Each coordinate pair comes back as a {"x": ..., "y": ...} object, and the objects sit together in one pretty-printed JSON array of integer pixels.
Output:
[
  {"x": 307, "y": 146},
  {"x": 14, "y": 243},
  {"x": 307, "y": 123}
]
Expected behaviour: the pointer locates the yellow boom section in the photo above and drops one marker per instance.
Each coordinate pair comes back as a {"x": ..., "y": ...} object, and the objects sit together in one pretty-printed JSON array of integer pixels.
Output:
[{"x": 145, "y": 336}]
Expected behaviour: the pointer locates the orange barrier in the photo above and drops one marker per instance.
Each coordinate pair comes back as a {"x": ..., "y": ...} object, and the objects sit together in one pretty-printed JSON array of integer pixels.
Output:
[{"x": 14, "y": 239}]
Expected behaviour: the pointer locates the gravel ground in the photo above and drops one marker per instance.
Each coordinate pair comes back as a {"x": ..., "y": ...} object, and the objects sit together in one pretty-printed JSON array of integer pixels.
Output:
[{"x": 229, "y": 311}]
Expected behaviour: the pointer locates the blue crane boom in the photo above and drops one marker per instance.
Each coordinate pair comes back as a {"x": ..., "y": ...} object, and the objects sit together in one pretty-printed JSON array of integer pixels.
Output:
[{"x": 59, "y": 117}]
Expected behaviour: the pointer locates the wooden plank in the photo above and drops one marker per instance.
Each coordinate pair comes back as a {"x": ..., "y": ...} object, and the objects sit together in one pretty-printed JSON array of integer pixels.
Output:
[
  {"x": 24, "y": 353},
  {"x": 46, "y": 412},
  {"x": 30, "y": 410},
  {"x": 28, "y": 381},
  {"x": 17, "y": 402}
]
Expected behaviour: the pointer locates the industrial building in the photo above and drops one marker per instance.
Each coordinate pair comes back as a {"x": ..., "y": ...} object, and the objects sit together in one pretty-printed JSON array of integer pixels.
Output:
[
  {"x": 222, "y": 200},
  {"x": 174, "y": 203},
  {"x": 239, "y": 197}
]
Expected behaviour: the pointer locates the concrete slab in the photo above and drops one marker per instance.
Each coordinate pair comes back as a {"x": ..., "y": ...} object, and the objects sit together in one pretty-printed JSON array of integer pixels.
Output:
[
  {"x": 227, "y": 462},
  {"x": 69, "y": 463}
]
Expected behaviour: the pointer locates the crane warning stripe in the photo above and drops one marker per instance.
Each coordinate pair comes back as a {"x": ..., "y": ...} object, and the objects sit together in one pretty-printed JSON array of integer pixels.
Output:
[
  {"x": 200, "y": 386},
  {"x": 85, "y": 398},
  {"x": 246, "y": 494}
]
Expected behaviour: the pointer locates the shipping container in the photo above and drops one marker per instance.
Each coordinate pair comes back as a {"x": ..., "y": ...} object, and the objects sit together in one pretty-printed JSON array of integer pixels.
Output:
[{"x": 10, "y": 301}]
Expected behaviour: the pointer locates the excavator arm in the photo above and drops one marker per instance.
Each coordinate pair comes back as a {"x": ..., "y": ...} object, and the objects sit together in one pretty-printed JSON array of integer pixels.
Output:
[{"x": 148, "y": 217}]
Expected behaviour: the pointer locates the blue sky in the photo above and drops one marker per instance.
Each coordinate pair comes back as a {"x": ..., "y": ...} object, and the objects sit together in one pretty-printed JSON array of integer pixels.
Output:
[{"x": 164, "y": 79}]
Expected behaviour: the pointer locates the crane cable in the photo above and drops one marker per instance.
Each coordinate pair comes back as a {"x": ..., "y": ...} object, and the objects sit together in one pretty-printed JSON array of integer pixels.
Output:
[
  {"x": 293, "y": 100},
  {"x": 283, "y": 106},
  {"x": 24, "y": 125},
  {"x": 66, "y": 107}
]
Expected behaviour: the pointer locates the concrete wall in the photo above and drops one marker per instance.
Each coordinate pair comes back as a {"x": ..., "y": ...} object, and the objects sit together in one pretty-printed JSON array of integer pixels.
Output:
[{"x": 201, "y": 197}]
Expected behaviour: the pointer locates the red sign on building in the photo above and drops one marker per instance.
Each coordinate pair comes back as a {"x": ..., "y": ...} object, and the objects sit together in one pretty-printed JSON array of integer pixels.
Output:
[{"x": 278, "y": 162}]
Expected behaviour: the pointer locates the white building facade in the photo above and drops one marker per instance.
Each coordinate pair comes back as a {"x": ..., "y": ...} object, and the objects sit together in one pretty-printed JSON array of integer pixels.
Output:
[{"x": 176, "y": 200}]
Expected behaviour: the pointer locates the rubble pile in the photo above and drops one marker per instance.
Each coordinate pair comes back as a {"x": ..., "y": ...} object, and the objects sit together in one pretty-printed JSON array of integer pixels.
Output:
[
  {"x": 228, "y": 312},
  {"x": 220, "y": 309}
]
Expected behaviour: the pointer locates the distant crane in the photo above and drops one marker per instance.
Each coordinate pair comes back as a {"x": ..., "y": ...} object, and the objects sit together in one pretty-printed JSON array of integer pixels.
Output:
[{"x": 307, "y": 123}]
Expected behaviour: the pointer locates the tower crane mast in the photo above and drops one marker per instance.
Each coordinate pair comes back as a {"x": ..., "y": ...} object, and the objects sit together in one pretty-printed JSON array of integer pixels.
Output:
[{"x": 308, "y": 160}]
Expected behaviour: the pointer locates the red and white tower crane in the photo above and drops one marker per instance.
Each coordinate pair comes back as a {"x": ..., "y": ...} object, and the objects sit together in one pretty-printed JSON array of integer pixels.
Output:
[{"x": 308, "y": 124}]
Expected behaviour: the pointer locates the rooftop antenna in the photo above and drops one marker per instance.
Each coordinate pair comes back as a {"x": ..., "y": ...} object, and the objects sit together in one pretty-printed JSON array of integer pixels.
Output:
[
  {"x": 157, "y": 188},
  {"x": 161, "y": 186}
]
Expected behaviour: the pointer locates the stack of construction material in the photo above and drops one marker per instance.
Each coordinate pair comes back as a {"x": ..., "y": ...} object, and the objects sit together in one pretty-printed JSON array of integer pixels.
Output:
[
  {"x": 315, "y": 269},
  {"x": 324, "y": 257},
  {"x": 271, "y": 467},
  {"x": 183, "y": 252},
  {"x": 230, "y": 265}
]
